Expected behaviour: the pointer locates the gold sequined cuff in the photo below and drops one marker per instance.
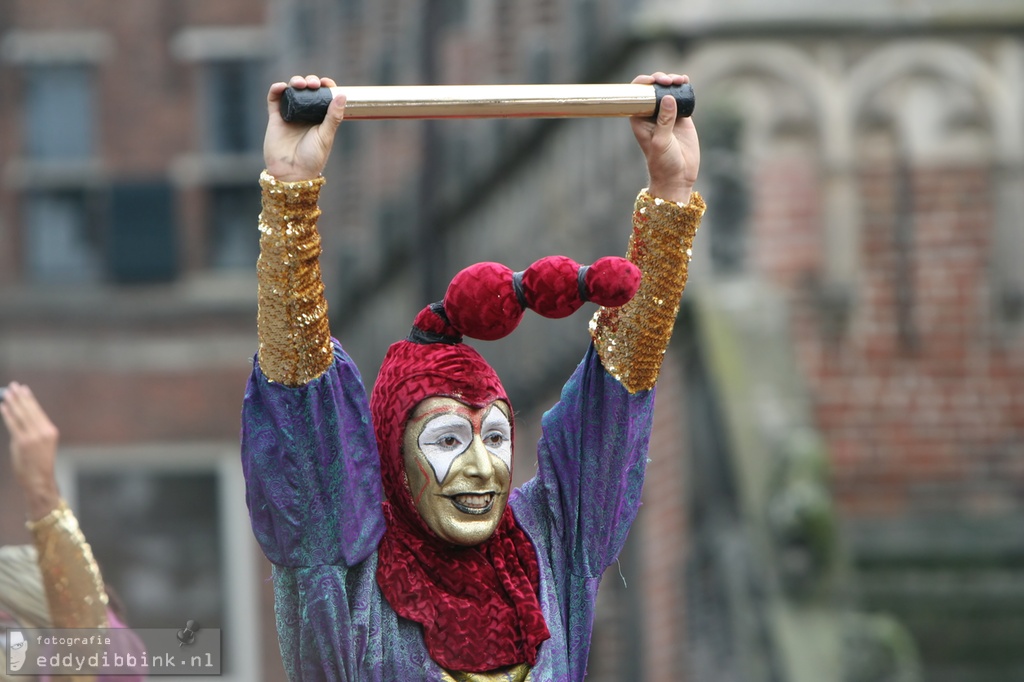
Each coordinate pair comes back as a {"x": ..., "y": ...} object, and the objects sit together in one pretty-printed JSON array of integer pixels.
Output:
[
  {"x": 74, "y": 586},
  {"x": 514, "y": 673},
  {"x": 631, "y": 340},
  {"x": 294, "y": 332}
]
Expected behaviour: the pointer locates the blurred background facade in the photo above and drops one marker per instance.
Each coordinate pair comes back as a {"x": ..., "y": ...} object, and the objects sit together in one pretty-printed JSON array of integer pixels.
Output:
[{"x": 836, "y": 486}]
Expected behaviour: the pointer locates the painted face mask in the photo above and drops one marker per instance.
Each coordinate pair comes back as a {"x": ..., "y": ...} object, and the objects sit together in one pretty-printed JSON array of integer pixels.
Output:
[
  {"x": 444, "y": 430},
  {"x": 458, "y": 461}
]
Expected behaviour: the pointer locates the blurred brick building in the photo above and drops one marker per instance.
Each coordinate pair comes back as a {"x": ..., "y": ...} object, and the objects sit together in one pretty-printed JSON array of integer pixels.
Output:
[
  {"x": 130, "y": 137},
  {"x": 863, "y": 162}
]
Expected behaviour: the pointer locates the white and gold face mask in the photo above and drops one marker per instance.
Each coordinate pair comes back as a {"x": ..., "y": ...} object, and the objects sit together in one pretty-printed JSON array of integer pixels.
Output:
[{"x": 458, "y": 462}]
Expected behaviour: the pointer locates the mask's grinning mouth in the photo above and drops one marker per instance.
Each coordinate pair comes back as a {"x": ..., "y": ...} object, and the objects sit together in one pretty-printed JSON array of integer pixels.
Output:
[{"x": 473, "y": 503}]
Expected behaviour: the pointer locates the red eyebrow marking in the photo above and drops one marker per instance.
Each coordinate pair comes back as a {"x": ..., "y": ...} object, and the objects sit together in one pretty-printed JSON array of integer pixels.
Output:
[
  {"x": 440, "y": 409},
  {"x": 426, "y": 482},
  {"x": 418, "y": 420}
]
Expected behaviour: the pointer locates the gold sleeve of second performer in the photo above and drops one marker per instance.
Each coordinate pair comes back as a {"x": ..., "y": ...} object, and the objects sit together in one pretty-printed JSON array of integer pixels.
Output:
[{"x": 74, "y": 587}]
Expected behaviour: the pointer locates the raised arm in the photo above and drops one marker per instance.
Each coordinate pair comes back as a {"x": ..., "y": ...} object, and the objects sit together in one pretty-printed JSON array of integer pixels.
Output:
[
  {"x": 72, "y": 581},
  {"x": 308, "y": 450},
  {"x": 295, "y": 341},
  {"x": 593, "y": 452},
  {"x": 631, "y": 340}
]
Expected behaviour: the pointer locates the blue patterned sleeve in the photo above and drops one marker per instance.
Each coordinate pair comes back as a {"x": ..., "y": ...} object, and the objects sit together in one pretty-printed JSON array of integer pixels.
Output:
[
  {"x": 311, "y": 468},
  {"x": 591, "y": 462}
]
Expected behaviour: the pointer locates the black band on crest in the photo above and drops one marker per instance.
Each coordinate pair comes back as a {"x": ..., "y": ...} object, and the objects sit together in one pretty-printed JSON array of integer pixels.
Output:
[
  {"x": 417, "y": 335},
  {"x": 517, "y": 286},
  {"x": 581, "y": 282}
]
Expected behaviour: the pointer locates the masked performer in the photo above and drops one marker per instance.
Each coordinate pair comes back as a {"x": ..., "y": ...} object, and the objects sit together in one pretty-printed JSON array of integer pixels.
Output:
[
  {"x": 55, "y": 582},
  {"x": 399, "y": 551}
]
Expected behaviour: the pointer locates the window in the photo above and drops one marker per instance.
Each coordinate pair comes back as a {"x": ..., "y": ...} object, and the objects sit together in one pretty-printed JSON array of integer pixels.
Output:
[
  {"x": 61, "y": 235},
  {"x": 59, "y": 116},
  {"x": 232, "y": 115},
  {"x": 236, "y": 113},
  {"x": 453, "y": 12},
  {"x": 61, "y": 239},
  {"x": 351, "y": 10},
  {"x": 396, "y": 224},
  {"x": 726, "y": 188},
  {"x": 169, "y": 528},
  {"x": 141, "y": 240},
  {"x": 233, "y": 237},
  {"x": 172, "y": 570},
  {"x": 587, "y": 33},
  {"x": 539, "y": 62}
]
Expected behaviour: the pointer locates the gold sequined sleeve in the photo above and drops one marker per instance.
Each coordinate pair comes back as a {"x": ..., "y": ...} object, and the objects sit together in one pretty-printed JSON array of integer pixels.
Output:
[
  {"x": 294, "y": 334},
  {"x": 71, "y": 578},
  {"x": 631, "y": 340}
]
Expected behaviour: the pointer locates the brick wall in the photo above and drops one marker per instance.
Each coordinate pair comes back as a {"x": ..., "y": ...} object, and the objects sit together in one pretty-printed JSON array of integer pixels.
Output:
[
  {"x": 127, "y": 366},
  {"x": 922, "y": 397},
  {"x": 146, "y": 98}
]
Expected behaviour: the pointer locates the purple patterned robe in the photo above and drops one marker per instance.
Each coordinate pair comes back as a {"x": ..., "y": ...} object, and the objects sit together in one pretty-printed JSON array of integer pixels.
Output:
[{"x": 314, "y": 495}]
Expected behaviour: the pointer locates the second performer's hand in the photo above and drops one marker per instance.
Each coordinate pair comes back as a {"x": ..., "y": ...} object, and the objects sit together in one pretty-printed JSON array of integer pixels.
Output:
[
  {"x": 669, "y": 143},
  {"x": 299, "y": 151},
  {"x": 33, "y": 449}
]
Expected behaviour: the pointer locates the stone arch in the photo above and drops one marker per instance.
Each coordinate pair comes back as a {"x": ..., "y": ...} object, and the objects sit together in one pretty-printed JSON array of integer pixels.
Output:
[
  {"x": 823, "y": 95},
  {"x": 998, "y": 89},
  {"x": 946, "y": 59},
  {"x": 817, "y": 76}
]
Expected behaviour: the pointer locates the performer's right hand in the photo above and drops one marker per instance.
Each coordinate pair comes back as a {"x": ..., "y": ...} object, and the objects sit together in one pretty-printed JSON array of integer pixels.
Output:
[{"x": 299, "y": 151}]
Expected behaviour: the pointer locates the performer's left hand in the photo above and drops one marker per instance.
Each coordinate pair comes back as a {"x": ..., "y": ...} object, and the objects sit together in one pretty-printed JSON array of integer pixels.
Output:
[
  {"x": 670, "y": 144},
  {"x": 299, "y": 151}
]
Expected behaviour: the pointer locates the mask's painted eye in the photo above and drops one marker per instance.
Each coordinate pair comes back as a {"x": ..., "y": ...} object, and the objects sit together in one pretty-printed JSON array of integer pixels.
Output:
[
  {"x": 498, "y": 435},
  {"x": 447, "y": 442},
  {"x": 442, "y": 439}
]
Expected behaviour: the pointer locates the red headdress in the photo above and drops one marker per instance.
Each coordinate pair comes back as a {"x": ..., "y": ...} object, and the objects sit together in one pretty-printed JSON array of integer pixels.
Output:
[{"x": 479, "y": 605}]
